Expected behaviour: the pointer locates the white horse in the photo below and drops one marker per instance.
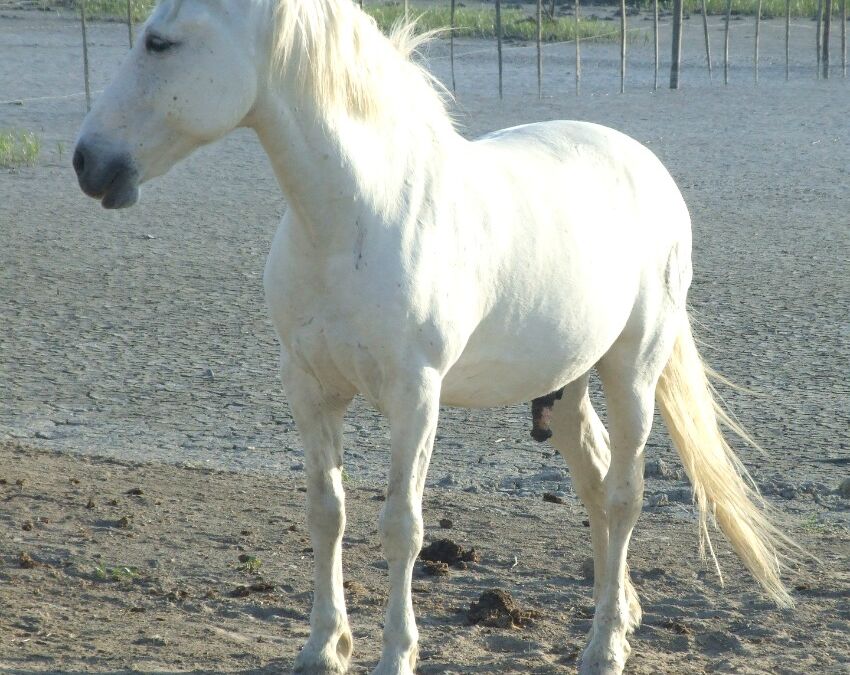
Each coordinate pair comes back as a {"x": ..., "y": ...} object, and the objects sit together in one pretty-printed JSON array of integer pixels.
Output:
[{"x": 418, "y": 268}]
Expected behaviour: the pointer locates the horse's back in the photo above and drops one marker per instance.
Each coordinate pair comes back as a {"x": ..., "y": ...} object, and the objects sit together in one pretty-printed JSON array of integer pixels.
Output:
[
  {"x": 582, "y": 188},
  {"x": 585, "y": 150}
]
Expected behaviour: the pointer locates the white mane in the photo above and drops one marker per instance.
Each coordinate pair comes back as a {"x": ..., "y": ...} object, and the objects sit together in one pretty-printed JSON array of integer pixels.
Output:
[{"x": 338, "y": 57}]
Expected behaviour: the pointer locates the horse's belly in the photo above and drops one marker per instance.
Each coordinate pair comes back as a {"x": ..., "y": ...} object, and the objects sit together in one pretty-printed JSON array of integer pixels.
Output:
[
  {"x": 504, "y": 364},
  {"x": 483, "y": 385}
]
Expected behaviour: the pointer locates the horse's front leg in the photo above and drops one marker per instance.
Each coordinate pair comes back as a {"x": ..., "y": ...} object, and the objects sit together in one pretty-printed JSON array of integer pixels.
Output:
[
  {"x": 412, "y": 408},
  {"x": 318, "y": 417}
]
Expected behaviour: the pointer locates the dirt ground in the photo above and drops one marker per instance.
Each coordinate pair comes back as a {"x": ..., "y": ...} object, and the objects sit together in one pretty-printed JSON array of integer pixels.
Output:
[
  {"x": 136, "y": 353},
  {"x": 116, "y": 567}
]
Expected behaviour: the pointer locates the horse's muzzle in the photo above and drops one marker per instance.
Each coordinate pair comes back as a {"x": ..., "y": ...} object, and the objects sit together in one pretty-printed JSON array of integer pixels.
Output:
[{"x": 110, "y": 177}]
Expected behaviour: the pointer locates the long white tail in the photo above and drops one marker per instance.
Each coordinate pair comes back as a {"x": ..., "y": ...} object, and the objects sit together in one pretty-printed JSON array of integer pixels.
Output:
[{"x": 723, "y": 489}]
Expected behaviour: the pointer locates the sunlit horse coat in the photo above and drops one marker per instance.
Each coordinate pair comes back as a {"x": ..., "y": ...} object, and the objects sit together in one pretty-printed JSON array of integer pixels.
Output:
[{"x": 416, "y": 267}]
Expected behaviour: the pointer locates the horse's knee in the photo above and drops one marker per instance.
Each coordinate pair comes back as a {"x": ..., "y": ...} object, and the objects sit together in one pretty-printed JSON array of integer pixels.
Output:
[
  {"x": 624, "y": 492},
  {"x": 401, "y": 529},
  {"x": 326, "y": 503}
]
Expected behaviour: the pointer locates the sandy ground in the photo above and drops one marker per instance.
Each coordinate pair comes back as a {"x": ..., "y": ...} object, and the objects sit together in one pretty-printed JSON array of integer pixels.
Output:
[
  {"x": 141, "y": 336},
  {"x": 117, "y": 567}
]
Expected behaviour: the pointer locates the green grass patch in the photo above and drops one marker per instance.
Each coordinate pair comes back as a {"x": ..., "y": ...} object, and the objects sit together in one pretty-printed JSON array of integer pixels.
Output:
[
  {"x": 251, "y": 564},
  {"x": 19, "y": 148},
  {"x": 121, "y": 574},
  {"x": 770, "y": 9},
  {"x": 815, "y": 525},
  {"x": 108, "y": 9},
  {"x": 517, "y": 24}
]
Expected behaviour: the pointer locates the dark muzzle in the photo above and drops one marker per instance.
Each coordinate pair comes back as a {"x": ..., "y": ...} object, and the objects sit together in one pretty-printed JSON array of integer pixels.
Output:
[{"x": 110, "y": 177}]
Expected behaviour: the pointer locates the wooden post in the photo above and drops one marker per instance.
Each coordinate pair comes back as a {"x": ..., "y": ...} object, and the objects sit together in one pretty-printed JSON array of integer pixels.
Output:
[
  {"x": 787, "y": 38},
  {"x": 827, "y": 25},
  {"x": 130, "y": 22},
  {"x": 85, "y": 54},
  {"x": 843, "y": 38},
  {"x": 726, "y": 42},
  {"x": 756, "y": 54},
  {"x": 818, "y": 35},
  {"x": 539, "y": 48},
  {"x": 578, "y": 49},
  {"x": 622, "y": 46},
  {"x": 677, "y": 44},
  {"x": 707, "y": 42},
  {"x": 452, "y": 44},
  {"x": 655, "y": 35},
  {"x": 499, "y": 40}
]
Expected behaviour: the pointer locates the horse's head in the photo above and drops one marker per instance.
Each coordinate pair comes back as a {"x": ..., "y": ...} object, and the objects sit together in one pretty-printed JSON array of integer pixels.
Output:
[{"x": 191, "y": 78}]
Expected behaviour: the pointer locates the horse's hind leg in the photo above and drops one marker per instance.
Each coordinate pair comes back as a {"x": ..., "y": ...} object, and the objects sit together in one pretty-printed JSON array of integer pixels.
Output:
[
  {"x": 629, "y": 373},
  {"x": 582, "y": 440},
  {"x": 319, "y": 420}
]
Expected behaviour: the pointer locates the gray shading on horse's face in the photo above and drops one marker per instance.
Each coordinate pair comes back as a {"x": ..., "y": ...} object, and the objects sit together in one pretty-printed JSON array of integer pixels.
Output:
[{"x": 189, "y": 80}]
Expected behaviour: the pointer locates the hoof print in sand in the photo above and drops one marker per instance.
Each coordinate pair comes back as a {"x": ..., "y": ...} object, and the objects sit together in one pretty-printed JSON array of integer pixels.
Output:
[{"x": 257, "y": 587}]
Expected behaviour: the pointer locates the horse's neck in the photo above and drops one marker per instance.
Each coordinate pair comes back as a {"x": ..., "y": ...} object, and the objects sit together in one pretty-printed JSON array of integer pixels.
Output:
[
  {"x": 308, "y": 167},
  {"x": 333, "y": 172}
]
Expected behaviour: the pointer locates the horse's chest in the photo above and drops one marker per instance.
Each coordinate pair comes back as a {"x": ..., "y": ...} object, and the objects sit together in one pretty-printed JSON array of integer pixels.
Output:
[
  {"x": 343, "y": 335},
  {"x": 343, "y": 355}
]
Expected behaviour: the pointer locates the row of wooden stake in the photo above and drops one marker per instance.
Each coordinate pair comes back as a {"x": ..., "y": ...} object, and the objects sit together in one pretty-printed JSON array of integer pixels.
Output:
[
  {"x": 825, "y": 10},
  {"x": 824, "y": 22}
]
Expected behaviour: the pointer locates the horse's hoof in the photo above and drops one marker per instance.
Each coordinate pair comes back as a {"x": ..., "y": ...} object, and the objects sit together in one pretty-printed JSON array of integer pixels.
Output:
[
  {"x": 325, "y": 661},
  {"x": 590, "y": 666},
  {"x": 601, "y": 659},
  {"x": 399, "y": 665}
]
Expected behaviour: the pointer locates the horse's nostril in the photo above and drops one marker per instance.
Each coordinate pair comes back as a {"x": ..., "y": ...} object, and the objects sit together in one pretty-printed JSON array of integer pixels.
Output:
[{"x": 79, "y": 161}]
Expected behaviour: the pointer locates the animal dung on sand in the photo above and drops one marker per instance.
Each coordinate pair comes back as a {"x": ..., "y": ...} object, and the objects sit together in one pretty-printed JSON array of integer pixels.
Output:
[
  {"x": 496, "y": 608},
  {"x": 448, "y": 552}
]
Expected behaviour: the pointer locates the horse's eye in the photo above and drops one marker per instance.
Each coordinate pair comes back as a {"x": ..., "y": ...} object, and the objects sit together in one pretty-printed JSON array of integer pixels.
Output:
[{"x": 154, "y": 43}]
